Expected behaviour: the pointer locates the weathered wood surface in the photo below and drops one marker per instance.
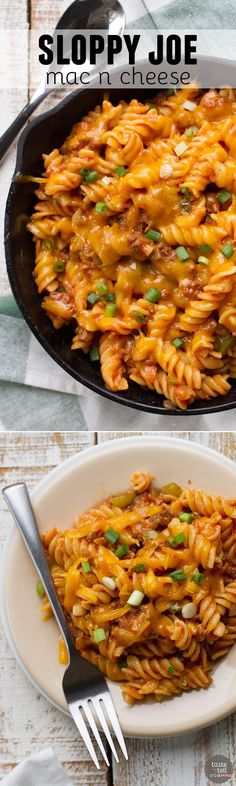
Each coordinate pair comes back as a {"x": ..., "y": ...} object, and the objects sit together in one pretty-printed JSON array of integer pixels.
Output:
[
  {"x": 21, "y": 77},
  {"x": 224, "y": 442},
  {"x": 28, "y": 722},
  {"x": 13, "y": 16}
]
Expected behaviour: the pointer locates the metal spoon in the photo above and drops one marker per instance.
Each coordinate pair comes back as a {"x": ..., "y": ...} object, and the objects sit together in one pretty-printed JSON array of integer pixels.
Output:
[{"x": 80, "y": 15}]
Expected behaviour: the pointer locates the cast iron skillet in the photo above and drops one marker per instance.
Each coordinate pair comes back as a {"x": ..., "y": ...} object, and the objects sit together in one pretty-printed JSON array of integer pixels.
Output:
[{"x": 45, "y": 132}]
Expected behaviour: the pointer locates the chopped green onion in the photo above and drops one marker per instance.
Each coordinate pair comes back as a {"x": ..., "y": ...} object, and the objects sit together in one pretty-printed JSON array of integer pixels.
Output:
[
  {"x": 198, "y": 577},
  {"x": 188, "y": 517},
  {"x": 191, "y": 131},
  {"x": 152, "y": 295},
  {"x": 175, "y": 607},
  {"x": 99, "y": 635},
  {"x": 48, "y": 244},
  {"x": 122, "y": 550},
  {"x": 224, "y": 343},
  {"x": 224, "y": 196},
  {"x": 135, "y": 599},
  {"x": 109, "y": 583},
  {"x": 185, "y": 191},
  {"x": 177, "y": 342},
  {"x": 203, "y": 260},
  {"x": 205, "y": 249},
  {"x": 139, "y": 568},
  {"x": 120, "y": 171},
  {"x": 93, "y": 298},
  {"x": 180, "y": 149},
  {"x": 170, "y": 669},
  {"x": 227, "y": 250},
  {"x": 84, "y": 172},
  {"x": 176, "y": 540},
  {"x": 101, "y": 207},
  {"x": 139, "y": 317},
  {"x": 110, "y": 309},
  {"x": 182, "y": 253},
  {"x": 40, "y": 588},
  {"x": 178, "y": 575},
  {"x": 152, "y": 234},
  {"x": 170, "y": 92},
  {"x": 111, "y": 535},
  {"x": 102, "y": 288},
  {"x": 86, "y": 566},
  {"x": 94, "y": 354},
  {"x": 122, "y": 500},
  {"x": 59, "y": 266},
  {"x": 110, "y": 297},
  {"x": 171, "y": 488},
  {"x": 89, "y": 176},
  {"x": 150, "y": 534},
  {"x": 122, "y": 663}
]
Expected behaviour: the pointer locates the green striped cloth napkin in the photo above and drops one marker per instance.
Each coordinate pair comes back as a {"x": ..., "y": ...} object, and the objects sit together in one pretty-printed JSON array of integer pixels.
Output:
[{"x": 35, "y": 393}]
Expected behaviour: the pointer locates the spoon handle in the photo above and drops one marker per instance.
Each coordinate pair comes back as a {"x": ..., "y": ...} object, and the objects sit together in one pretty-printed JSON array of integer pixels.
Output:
[
  {"x": 10, "y": 134},
  {"x": 18, "y": 500}
]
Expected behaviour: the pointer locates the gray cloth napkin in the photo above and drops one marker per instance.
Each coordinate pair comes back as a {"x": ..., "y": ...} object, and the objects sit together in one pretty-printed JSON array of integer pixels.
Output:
[
  {"x": 40, "y": 769},
  {"x": 198, "y": 15}
]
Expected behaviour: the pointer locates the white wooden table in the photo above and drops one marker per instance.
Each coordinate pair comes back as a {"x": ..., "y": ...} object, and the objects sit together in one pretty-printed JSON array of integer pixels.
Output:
[{"x": 28, "y": 722}]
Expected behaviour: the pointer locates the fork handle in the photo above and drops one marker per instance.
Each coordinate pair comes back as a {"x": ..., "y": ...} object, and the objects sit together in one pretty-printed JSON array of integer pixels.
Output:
[{"x": 18, "y": 500}]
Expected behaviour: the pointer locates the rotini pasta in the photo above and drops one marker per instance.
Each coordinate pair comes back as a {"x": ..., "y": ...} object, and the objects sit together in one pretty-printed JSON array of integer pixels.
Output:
[
  {"x": 147, "y": 580},
  {"x": 135, "y": 233}
]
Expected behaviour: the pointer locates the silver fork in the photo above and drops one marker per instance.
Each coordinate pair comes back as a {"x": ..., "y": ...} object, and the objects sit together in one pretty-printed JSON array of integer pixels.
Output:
[{"x": 84, "y": 686}]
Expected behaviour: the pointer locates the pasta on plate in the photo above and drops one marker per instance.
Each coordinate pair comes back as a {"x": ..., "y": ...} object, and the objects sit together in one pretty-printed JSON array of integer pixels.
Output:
[
  {"x": 147, "y": 580},
  {"x": 135, "y": 237}
]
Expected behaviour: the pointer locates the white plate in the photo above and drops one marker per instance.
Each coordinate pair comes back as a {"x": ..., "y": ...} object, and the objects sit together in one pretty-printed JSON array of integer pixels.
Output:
[{"x": 69, "y": 490}]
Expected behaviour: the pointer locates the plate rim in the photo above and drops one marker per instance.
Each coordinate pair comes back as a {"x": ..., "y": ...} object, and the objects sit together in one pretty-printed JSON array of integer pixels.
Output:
[{"x": 42, "y": 486}]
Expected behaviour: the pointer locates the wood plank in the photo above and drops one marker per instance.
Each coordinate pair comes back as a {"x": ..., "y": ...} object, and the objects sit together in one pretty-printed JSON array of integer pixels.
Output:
[
  {"x": 224, "y": 442},
  {"x": 175, "y": 761},
  {"x": 43, "y": 19},
  {"x": 31, "y": 455},
  {"x": 13, "y": 15},
  {"x": 14, "y": 21},
  {"x": 49, "y": 447},
  {"x": 28, "y": 722}
]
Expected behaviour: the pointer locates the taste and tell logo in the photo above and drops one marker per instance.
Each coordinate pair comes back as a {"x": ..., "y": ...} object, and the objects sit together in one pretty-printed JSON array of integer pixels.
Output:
[{"x": 219, "y": 769}]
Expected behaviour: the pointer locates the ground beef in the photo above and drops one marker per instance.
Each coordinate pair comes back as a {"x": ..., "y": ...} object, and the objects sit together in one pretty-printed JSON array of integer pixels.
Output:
[
  {"x": 229, "y": 570},
  {"x": 210, "y": 325},
  {"x": 63, "y": 297},
  {"x": 163, "y": 251},
  {"x": 140, "y": 244},
  {"x": 189, "y": 287},
  {"x": 161, "y": 519},
  {"x": 144, "y": 499},
  {"x": 212, "y": 203}
]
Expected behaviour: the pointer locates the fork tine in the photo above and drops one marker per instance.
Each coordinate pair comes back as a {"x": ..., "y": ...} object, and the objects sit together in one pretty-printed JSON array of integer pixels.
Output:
[
  {"x": 91, "y": 721},
  {"x": 97, "y": 704},
  {"x": 79, "y": 721},
  {"x": 115, "y": 723}
]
